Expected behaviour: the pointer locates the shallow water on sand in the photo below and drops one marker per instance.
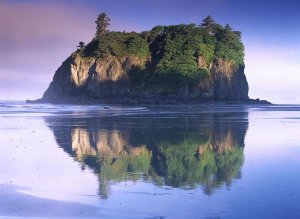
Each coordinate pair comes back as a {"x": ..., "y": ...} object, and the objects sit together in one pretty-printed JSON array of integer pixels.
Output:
[{"x": 60, "y": 161}]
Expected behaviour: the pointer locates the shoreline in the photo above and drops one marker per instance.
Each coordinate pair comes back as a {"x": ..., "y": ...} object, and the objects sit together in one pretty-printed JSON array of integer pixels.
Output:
[{"x": 152, "y": 102}]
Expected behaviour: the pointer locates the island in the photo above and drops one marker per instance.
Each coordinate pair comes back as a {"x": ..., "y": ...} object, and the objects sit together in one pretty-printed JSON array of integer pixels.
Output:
[{"x": 185, "y": 63}]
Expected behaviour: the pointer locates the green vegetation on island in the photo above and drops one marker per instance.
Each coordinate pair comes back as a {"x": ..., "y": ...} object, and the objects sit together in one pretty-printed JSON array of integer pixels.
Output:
[{"x": 185, "y": 52}]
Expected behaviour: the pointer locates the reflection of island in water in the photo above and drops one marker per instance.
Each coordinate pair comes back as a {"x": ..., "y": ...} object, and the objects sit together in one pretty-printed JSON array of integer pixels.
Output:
[{"x": 184, "y": 152}]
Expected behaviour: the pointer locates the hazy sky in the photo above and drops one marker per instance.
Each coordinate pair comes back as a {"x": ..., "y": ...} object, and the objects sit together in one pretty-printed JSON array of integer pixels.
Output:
[{"x": 37, "y": 36}]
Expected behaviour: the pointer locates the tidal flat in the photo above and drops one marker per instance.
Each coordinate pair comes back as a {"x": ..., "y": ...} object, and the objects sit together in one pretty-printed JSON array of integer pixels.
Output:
[{"x": 100, "y": 161}]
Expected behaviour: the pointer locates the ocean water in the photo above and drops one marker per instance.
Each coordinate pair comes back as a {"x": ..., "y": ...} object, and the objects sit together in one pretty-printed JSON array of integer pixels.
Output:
[{"x": 214, "y": 161}]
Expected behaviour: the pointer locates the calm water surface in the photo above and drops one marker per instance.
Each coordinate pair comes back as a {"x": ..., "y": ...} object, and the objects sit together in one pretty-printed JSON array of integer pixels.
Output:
[{"x": 65, "y": 161}]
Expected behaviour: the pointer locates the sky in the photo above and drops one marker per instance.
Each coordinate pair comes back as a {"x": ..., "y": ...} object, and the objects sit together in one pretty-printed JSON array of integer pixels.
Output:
[{"x": 37, "y": 36}]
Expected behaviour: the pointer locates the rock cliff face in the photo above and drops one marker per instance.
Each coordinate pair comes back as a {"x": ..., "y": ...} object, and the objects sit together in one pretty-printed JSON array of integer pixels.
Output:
[
  {"x": 87, "y": 79},
  {"x": 83, "y": 79}
]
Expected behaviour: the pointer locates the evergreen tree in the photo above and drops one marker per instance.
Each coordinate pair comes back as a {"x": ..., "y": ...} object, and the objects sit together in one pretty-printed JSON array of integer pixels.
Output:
[
  {"x": 238, "y": 34},
  {"x": 228, "y": 28},
  {"x": 209, "y": 24},
  {"x": 81, "y": 45},
  {"x": 103, "y": 21}
]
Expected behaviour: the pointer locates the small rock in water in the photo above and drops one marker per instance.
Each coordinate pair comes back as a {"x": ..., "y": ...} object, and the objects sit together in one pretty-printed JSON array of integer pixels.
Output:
[{"x": 106, "y": 107}]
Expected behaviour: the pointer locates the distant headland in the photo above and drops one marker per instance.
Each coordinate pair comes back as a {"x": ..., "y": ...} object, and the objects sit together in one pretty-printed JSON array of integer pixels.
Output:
[{"x": 185, "y": 63}]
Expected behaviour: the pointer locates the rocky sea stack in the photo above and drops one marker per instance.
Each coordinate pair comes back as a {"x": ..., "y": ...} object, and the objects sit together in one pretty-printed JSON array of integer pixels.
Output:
[{"x": 168, "y": 64}]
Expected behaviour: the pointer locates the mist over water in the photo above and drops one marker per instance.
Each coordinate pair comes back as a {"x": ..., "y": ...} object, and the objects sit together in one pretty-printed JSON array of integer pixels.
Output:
[{"x": 149, "y": 162}]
